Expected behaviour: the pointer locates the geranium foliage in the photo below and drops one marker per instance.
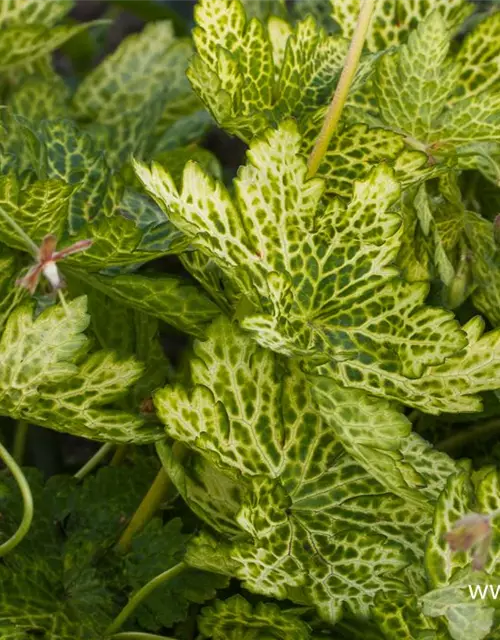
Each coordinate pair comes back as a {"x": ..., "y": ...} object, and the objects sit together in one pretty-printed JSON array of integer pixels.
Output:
[{"x": 293, "y": 374}]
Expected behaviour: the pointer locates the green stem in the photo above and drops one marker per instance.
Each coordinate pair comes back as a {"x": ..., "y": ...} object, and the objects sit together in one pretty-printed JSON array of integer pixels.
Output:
[
  {"x": 142, "y": 594},
  {"x": 119, "y": 455},
  {"x": 463, "y": 437},
  {"x": 24, "y": 487},
  {"x": 339, "y": 99},
  {"x": 94, "y": 461},
  {"x": 21, "y": 233},
  {"x": 20, "y": 441},
  {"x": 138, "y": 635},
  {"x": 146, "y": 510}
]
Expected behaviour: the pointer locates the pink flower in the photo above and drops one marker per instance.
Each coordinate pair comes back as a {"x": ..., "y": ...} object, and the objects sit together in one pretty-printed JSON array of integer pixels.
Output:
[
  {"x": 46, "y": 264},
  {"x": 473, "y": 531}
]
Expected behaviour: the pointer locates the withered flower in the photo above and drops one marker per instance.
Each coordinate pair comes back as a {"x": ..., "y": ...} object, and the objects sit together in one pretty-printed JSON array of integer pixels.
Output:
[
  {"x": 46, "y": 263},
  {"x": 473, "y": 531}
]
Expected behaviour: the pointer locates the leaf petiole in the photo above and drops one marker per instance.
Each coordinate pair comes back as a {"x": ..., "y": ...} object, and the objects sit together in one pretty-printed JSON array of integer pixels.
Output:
[
  {"x": 142, "y": 594},
  {"x": 91, "y": 464},
  {"x": 339, "y": 99},
  {"x": 146, "y": 509},
  {"x": 24, "y": 487}
]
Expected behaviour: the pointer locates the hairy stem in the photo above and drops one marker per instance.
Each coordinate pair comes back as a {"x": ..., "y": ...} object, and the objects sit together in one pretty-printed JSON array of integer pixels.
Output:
[
  {"x": 339, "y": 99},
  {"x": 24, "y": 487},
  {"x": 143, "y": 593},
  {"x": 94, "y": 461},
  {"x": 31, "y": 246},
  {"x": 20, "y": 441},
  {"x": 146, "y": 510},
  {"x": 463, "y": 437}
]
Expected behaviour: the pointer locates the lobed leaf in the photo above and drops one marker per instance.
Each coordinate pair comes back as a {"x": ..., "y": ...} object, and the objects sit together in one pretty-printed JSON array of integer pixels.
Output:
[
  {"x": 251, "y": 74},
  {"x": 320, "y": 280},
  {"x": 252, "y": 416},
  {"x": 236, "y": 619},
  {"x": 393, "y": 22},
  {"x": 414, "y": 82},
  {"x": 449, "y": 387},
  {"x": 44, "y": 378}
]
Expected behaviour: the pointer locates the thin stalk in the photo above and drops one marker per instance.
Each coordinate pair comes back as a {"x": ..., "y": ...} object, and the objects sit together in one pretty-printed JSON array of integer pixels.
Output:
[
  {"x": 146, "y": 510},
  {"x": 94, "y": 461},
  {"x": 119, "y": 455},
  {"x": 463, "y": 437},
  {"x": 339, "y": 99},
  {"x": 62, "y": 298},
  {"x": 20, "y": 441},
  {"x": 25, "y": 490},
  {"x": 21, "y": 233},
  {"x": 142, "y": 594},
  {"x": 138, "y": 635}
]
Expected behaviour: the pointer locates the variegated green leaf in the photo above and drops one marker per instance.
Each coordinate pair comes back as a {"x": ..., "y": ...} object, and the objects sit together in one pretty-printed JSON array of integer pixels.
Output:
[
  {"x": 214, "y": 495},
  {"x": 60, "y": 150},
  {"x": 234, "y": 72},
  {"x": 249, "y": 413},
  {"x": 449, "y": 387},
  {"x": 355, "y": 149},
  {"x": 169, "y": 298},
  {"x": 413, "y": 83},
  {"x": 389, "y": 453},
  {"x": 394, "y": 21},
  {"x": 40, "y": 209},
  {"x": 450, "y": 573},
  {"x": 29, "y": 43},
  {"x": 129, "y": 332},
  {"x": 416, "y": 93},
  {"x": 400, "y": 618},
  {"x": 10, "y": 295},
  {"x": 45, "y": 378},
  {"x": 316, "y": 277},
  {"x": 466, "y": 619},
  {"x": 479, "y": 59},
  {"x": 442, "y": 222},
  {"x": 236, "y": 619},
  {"x": 21, "y": 12},
  {"x": 472, "y": 119},
  {"x": 40, "y": 98},
  {"x": 139, "y": 90},
  {"x": 485, "y": 266},
  {"x": 121, "y": 76}
]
